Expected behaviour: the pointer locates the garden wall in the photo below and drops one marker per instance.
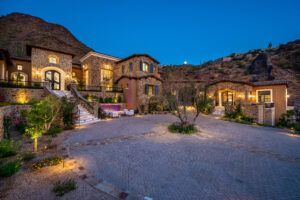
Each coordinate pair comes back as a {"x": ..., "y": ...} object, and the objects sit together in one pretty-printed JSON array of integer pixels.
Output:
[
  {"x": 12, "y": 111},
  {"x": 20, "y": 95},
  {"x": 101, "y": 94}
]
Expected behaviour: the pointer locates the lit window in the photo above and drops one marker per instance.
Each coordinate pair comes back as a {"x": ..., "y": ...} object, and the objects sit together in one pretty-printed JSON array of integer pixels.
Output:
[
  {"x": 52, "y": 60},
  {"x": 145, "y": 67},
  {"x": 20, "y": 67},
  {"x": 264, "y": 96},
  {"x": 73, "y": 74},
  {"x": 149, "y": 90}
]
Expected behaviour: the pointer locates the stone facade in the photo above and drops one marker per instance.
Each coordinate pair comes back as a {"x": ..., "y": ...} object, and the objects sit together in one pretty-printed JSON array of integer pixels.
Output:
[
  {"x": 92, "y": 69},
  {"x": 11, "y": 111},
  {"x": 40, "y": 64},
  {"x": 21, "y": 95}
]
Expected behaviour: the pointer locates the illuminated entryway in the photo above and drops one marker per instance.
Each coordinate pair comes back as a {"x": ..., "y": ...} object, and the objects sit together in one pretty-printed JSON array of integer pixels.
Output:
[{"x": 54, "y": 79}]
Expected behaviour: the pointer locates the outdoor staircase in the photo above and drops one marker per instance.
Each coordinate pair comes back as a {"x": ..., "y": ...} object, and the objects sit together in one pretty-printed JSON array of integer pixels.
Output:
[
  {"x": 83, "y": 116},
  {"x": 219, "y": 111}
]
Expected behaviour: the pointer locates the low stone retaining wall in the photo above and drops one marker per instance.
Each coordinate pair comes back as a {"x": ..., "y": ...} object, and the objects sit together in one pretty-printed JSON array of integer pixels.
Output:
[
  {"x": 20, "y": 95},
  {"x": 260, "y": 113},
  {"x": 101, "y": 94},
  {"x": 13, "y": 111}
]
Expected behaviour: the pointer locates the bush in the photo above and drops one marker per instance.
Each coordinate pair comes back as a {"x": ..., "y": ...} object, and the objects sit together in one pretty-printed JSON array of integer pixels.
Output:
[
  {"x": 50, "y": 161},
  {"x": 206, "y": 106},
  {"x": 8, "y": 148},
  {"x": 61, "y": 188},
  {"x": 101, "y": 100},
  {"x": 183, "y": 129},
  {"x": 10, "y": 168},
  {"x": 7, "y": 125},
  {"x": 120, "y": 99},
  {"x": 21, "y": 127},
  {"x": 27, "y": 156},
  {"x": 289, "y": 120},
  {"x": 67, "y": 113},
  {"x": 108, "y": 100},
  {"x": 54, "y": 130},
  {"x": 236, "y": 114},
  {"x": 155, "y": 104}
]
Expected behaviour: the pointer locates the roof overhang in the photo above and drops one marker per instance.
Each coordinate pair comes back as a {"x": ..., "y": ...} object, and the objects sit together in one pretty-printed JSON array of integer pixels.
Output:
[{"x": 99, "y": 55}]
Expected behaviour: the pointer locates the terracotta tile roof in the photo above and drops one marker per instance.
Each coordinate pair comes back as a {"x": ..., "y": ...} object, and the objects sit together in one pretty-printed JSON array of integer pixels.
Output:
[
  {"x": 273, "y": 82},
  {"x": 137, "y": 55},
  {"x": 137, "y": 77}
]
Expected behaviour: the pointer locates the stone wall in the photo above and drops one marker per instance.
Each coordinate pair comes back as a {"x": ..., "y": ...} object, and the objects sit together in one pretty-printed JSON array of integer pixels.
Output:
[
  {"x": 12, "y": 111},
  {"x": 142, "y": 98},
  {"x": 103, "y": 94},
  {"x": 21, "y": 95},
  {"x": 259, "y": 113},
  {"x": 40, "y": 63},
  {"x": 93, "y": 65},
  {"x": 136, "y": 72}
]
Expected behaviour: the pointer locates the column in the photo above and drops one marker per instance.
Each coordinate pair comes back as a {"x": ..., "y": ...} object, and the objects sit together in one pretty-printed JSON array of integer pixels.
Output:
[{"x": 220, "y": 98}]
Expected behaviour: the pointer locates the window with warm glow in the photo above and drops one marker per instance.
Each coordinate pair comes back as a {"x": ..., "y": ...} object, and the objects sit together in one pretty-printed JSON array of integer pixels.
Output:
[
  {"x": 264, "y": 96},
  {"x": 145, "y": 67},
  {"x": 53, "y": 60},
  {"x": 20, "y": 67}
]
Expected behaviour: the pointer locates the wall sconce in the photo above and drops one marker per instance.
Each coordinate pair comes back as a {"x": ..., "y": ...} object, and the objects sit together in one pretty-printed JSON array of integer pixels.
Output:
[
  {"x": 287, "y": 96},
  {"x": 67, "y": 76}
]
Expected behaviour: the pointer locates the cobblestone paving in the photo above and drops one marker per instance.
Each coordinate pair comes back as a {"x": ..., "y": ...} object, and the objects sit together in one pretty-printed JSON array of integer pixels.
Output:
[{"x": 224, "y": 161}]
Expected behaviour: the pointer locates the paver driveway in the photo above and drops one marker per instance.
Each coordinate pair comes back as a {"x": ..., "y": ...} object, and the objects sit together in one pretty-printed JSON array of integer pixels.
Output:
[{"x": 224, "y": 161}]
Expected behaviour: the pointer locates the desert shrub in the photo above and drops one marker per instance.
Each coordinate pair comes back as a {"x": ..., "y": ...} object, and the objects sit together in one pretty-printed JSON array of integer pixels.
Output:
[
  {"x": 50, "y": 161},
  {"x": 54, "y": 130},
  {"x": 182, "y": 128},
  {"x": 27, "y": 156},
  {"x": 10, "y": 168},
  {"x": 61, "y": 188},
  {"x": 236, "y": 114},
  {"x": 67, "y": 113},
  {"x": 8, "y": 148},
  {"x": 284, "y": 63},
  {"x": 289, "y": 120},
  {"x": 155, "y": 104},
  {"x": 206, "y": 106}
]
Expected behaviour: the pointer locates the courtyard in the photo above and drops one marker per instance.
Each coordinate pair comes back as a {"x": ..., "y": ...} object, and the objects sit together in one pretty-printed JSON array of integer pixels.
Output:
[{"x": 226, "y": 160}]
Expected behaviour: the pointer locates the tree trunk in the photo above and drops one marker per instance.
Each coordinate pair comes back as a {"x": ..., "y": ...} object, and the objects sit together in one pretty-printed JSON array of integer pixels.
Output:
[{"x": 35, "y": 140}]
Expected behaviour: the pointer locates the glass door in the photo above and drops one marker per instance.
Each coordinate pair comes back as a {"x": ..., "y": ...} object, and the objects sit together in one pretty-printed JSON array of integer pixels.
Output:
[{"x": 53, "y": 77}]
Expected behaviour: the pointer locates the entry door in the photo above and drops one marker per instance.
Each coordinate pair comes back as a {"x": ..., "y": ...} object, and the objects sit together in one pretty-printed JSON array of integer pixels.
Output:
[
  {"x": 227, "y": 98},
  {"x": 53, "y": 77}
]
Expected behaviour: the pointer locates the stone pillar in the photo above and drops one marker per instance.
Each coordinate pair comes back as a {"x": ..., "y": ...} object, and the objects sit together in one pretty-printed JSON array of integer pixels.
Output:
[{"x": 220, "y": 98}]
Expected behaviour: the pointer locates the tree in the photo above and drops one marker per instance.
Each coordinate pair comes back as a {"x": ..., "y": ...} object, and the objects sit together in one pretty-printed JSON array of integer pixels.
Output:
[
  {"x": 40, "y": 117},
  {"x": 184, "y": 102}
]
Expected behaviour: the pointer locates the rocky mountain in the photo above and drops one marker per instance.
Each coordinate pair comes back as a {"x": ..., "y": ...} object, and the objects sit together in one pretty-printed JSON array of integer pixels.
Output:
[
  {"x": 18, "y": 30},
  {"x": 281, "y": 63}
]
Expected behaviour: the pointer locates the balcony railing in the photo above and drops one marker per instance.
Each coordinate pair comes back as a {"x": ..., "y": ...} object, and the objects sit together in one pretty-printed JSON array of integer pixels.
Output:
[
  {"x": 22, "y": 84},
  {"x": 99, "y": 88}
]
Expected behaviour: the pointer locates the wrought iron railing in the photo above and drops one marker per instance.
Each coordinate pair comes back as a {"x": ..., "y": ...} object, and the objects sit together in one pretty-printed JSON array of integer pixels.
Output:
[
  {"x": 21, "y": 84},
  {"x": 99, "y": 88}
]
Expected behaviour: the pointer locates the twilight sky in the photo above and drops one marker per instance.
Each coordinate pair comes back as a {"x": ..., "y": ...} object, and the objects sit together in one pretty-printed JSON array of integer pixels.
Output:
[{"x": 172, "y": 31}]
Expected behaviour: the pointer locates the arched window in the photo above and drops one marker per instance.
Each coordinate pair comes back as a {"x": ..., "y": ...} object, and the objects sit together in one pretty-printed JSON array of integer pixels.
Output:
[
  {"x": 53, "y": 59},
  {"x": 19, "y": 77}
]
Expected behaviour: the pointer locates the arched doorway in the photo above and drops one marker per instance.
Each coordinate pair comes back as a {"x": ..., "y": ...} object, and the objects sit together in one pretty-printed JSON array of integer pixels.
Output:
[{"x": 54, "y": 79}]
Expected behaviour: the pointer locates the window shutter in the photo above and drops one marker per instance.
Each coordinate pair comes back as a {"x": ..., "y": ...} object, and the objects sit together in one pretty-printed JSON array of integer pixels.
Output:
[
  {"x": 130, "y": 67},
  {"x": 146, "y": 89},
  {"x": 151, "y": 68},
  {"x": 141, "y": 66},
  {"x": 156, "y": 90}
]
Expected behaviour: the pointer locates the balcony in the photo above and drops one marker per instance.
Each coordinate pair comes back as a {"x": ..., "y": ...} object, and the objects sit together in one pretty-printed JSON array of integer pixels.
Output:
[{"x": 21, "y": 84}]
